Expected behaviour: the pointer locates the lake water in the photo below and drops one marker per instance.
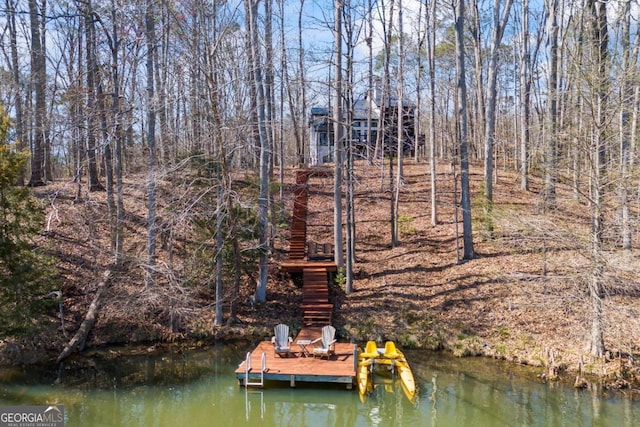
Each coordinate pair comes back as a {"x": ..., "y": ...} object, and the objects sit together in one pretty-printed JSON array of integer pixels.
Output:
[{"x": 197, "y": 388}]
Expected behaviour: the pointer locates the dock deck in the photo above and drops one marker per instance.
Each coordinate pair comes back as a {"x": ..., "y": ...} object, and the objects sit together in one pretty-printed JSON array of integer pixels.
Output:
[{"x": 340, "y": 368}]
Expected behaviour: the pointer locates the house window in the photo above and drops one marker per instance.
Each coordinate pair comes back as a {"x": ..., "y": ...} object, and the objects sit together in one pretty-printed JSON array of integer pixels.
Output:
[{"x": 323, "y": 140}]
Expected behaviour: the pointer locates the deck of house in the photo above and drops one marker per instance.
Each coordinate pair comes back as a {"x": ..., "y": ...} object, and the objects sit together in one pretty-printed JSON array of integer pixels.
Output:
[{"x": 315, "y": 261}]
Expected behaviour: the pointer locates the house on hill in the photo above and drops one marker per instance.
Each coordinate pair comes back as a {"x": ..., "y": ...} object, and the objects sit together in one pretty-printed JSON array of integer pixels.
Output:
[{"x": 321, "y": 135}]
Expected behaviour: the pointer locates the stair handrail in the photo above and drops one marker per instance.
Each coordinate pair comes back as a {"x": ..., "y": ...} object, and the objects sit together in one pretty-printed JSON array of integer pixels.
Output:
[{"x": 247, "y": 369}]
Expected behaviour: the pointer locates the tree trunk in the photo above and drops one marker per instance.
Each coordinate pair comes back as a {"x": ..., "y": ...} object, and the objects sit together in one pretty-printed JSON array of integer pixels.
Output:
[
  {"x": 118, "y": 136},
  {"x": 108, "y": 164},
  {"x": 400, "y": 100},
  {"x": 253, "y": 89},
  {"x": 303, "y": 84},
  {"x": 92, "y": 110},
  {"x": 465, "y": 192},
  {"x": 350, "y": 35},
  {"x": 551, "y": 150},
  {"x": 78, "y": 119},
  {"x": 370, "y": 90},
  {"x": 395, "y": 195},
  {"x": 338, "y": 135},
  {"x": 79, "y": 339},
  {"x": 600, "y": 42},
  {"x": 165, "y": 144},
  {"x": 296, "y": 110},
  {"x": 476, "y": 30},
  {"x": 431, "y": 49},
  {"x": 626, "y": 106},
  {"x": 219, "y": 155},
  {"x": 150, "y": 34},
  {"x": 270, "y": 110},
  {"x": 21, "y": 136},
  {"x": 252, "y": 11},
  {"x": 219, "y": 236},
  {"x": 386, "y": 122},
  {"x": 499, "y": 24},
  {"x": 525, "y": 98},
  {"x": 383, "y": 100},
  {"x": 419, "y": 68},
  {"x": 38, "y": 82}
]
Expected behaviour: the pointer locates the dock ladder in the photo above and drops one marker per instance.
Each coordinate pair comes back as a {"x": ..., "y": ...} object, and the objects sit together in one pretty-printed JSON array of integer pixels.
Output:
[{"x": 247, "y": 369}]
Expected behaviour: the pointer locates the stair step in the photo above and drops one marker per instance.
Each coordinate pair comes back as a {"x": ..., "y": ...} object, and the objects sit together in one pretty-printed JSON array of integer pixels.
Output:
[
  {"x": 317, "y": 305},
  {"x": 320, "y": 297},
  {"x": 317, "y": 313}
]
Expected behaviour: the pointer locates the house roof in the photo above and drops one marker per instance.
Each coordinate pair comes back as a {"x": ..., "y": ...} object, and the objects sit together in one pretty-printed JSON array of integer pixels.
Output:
[
  {"x": 360, "y": 108},
  {"x": 319, "y": 111}
]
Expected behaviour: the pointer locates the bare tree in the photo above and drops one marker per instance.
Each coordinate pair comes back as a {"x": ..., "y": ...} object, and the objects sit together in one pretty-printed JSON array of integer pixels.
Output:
[
  {"x": 600, "y": 41},
  {"x": 161, "y": 57},
  {"x": 422, "y": 35},
  {"x": 395, "y": 195},
  {"x": 351, "y": 34},
  {"x": 386, "y": 19},
  {"x": 479, "y": 88},
  {"x": 338, "y": 134},
  {"x": 370, "y": 89},
  {"x": 551, "y": 150},
  {"x": 14, "y": 65},
  {"x": 468, "y": 252},
  {"x": 92, "y": 107},
  {"x": 117, "y": 132},
  {"x": 431, "y": 53},
  {"x": 385, "y": 120},
  {"x": 150, "y": 36},
  {"x": 38, "y": 82},
  {"x": 251, "y": 9},
  {"x": 629, "y": 65},
  {"x": 499, "y": 24},
  {"x": 525, "y": 97},
  {"x": 295, "y": 89},
  {"x": 302, "y": 81}
]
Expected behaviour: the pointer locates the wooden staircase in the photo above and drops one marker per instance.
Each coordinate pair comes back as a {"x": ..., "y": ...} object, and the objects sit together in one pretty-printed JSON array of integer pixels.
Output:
[
  {"x": 298, "y": 240},
  {"x": 315, "y": 297},
  {"x": 315, "y": 289}
]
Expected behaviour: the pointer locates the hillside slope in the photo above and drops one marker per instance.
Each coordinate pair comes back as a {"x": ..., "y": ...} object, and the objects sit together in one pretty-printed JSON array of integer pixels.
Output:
[{"x": 523, "y": 298}]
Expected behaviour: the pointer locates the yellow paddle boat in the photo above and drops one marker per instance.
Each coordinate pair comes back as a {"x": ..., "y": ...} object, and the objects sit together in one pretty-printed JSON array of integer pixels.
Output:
[{"x": 389, "y": 357}]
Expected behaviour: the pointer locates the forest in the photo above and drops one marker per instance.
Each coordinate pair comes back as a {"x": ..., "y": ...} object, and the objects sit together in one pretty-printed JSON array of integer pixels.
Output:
[{"x": 163, "y": 136}]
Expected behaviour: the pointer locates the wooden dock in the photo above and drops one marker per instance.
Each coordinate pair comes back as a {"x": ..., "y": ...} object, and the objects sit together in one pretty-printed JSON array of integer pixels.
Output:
[
  {"x": 315, "y": 261},
  {"x": 340, "y": 368}
]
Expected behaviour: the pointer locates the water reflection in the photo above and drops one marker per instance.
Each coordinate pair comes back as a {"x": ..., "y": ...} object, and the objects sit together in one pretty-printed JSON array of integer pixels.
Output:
[{"x": 198, "y": 388}]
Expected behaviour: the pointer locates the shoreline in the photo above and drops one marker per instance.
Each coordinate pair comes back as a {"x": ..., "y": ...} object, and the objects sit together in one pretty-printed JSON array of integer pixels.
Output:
[{"x": 522, "y": 299}]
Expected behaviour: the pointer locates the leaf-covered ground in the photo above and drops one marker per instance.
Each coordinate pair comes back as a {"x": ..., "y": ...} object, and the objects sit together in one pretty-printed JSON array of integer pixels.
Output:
[{"x": 523, "y": 297}]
